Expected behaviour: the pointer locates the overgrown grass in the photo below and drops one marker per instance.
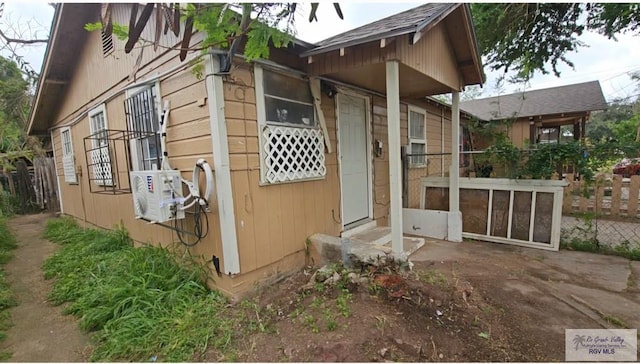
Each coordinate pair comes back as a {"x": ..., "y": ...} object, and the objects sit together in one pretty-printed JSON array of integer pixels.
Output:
[
  {"x": 142, "y": 303},
  {"x": 9, "y": 204},
  {"x": 625, "y": 249},
  {"x": 7, "y": 245}
]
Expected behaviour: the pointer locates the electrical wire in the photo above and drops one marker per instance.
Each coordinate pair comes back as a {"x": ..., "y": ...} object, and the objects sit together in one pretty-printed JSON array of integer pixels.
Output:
[{"x": 199, "y": 230}]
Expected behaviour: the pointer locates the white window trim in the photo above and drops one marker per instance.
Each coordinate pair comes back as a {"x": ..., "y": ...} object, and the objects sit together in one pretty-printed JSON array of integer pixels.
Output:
[
  {"x": 68, "y": 157},
  {"x": 136, "y": 163},
  {"x": 97, "y": 110},
  {"x": 262, "y": 124},
  {"x": 423, "y": 112}
]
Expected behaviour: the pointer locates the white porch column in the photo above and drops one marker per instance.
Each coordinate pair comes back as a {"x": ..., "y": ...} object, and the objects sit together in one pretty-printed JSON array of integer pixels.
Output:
[
  {"x": 395, "y": 167},
  {"x": 454, "y": 225}
]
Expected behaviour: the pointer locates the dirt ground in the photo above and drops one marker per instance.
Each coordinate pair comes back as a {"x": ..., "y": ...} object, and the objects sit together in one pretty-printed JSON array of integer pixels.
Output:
[
  {"x": 460, "y": 302},
  {"x": 40, "y": 332}
]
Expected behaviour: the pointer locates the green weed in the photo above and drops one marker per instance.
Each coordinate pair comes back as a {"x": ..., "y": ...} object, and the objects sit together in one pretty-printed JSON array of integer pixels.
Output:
[
  {"x": 342, "y": 303},
  {"x": 7, "y": 244},
  {"x": 432, "y": 277},
  {"x": 140, "y": 302}
]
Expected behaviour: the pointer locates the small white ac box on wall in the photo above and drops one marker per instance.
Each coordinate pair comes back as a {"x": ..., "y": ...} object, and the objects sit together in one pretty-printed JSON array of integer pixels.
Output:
[{"x": 157, "y": 195}]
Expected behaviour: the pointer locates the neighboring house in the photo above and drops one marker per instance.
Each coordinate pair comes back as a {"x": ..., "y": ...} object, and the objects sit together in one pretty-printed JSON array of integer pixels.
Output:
[
  {"x": 538, "y": 115},
  {"x": 305, "y": 142}
]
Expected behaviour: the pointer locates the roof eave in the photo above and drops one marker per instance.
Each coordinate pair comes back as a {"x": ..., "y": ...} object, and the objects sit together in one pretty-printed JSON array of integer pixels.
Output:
[
  {"x": 45, "y": 65},
  {"x": 355, "y": 42},
  {"x": 474, "y": 43}
]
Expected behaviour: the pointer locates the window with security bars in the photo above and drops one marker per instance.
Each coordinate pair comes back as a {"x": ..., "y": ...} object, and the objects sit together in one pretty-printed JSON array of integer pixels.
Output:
[
  {"x": 143, "y": 121},
  {"x": 68, "y": 160},
  {"x": 100, "y": 158},
  {"x": 417, "y": 136},
  {"x": 291, "y": 141}
]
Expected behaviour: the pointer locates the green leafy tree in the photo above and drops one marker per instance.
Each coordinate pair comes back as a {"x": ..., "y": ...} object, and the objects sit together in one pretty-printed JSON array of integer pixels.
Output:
[
  {"x": 14, "y": 109},
  {"x": 599, "y": 127},
  {"x": 526, "y": 38}
]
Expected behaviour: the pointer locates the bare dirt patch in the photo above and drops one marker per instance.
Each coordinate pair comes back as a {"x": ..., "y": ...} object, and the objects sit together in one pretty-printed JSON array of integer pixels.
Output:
[
  {"x": 437, "y": 312},
  {"x": 40, "y": 332}
]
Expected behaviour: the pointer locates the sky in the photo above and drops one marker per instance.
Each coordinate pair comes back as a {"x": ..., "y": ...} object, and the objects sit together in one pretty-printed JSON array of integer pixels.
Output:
[{"x": 605, "y": 60}]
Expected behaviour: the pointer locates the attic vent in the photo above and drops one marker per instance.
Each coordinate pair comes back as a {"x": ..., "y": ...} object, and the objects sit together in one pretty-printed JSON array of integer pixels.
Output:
[{"x": 107, "y": 44}]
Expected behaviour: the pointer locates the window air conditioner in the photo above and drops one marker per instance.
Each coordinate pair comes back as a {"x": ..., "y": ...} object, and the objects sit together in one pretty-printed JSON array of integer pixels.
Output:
[{"x": 157, "y": 195}]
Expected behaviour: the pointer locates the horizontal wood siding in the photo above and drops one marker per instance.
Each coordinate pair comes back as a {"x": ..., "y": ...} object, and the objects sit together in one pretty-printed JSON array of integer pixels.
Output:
[
  {"x": 519, "y": 133},
  {"x": 431, "y": 55},
  {"x": 95, "y": 73},
  {"x": 97, "y": 78},
  {"x": 273, "y": 221}
]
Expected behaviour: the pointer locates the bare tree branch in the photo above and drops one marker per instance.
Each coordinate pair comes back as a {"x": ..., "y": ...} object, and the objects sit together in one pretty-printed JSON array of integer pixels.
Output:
[{"x": 22, "y": 41}]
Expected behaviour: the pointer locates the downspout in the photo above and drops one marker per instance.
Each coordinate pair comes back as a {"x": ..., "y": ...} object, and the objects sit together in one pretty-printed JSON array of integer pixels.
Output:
[{"x": 220, "y": 148}]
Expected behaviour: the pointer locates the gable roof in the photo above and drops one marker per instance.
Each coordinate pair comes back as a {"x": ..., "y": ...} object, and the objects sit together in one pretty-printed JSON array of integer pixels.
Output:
[
  {"x": 409, "y": 21},
  {"x": 579, "y": 97}
]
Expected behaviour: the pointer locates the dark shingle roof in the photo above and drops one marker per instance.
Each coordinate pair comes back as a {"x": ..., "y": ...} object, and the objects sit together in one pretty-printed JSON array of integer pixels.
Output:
[
  {"x": 405, "y": 22},
  {"x": 556, "y": 100}
]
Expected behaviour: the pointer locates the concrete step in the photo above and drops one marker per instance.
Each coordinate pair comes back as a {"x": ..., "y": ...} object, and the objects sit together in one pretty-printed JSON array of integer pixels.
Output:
[
  {"x": 326, "y": 249},
  {"x": 375, "y": 236}
]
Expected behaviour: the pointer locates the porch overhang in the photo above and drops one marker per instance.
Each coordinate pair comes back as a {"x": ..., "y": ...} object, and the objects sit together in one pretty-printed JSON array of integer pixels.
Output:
[
  {"x": 436, "y": 56},
  {"x": 433, "y": 55}
]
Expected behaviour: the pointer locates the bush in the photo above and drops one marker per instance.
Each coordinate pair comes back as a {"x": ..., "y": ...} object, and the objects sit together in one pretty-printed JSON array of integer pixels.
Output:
[{"x": 141, "y": 302}]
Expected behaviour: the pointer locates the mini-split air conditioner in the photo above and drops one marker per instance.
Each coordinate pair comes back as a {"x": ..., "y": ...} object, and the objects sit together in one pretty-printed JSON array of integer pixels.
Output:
[{"x": 157, "y": 195}]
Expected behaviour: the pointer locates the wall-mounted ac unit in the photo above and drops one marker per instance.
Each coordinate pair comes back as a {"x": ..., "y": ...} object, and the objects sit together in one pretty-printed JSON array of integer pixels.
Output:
[{"x": 157, "y": 195}]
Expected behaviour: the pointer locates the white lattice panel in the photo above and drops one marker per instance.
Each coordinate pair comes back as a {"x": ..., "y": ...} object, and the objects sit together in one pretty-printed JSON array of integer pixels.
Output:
[
  {"x": 69, "y": 166},
  {"x": 102, "y": 166},
  {"x": 292, "y": 154}
]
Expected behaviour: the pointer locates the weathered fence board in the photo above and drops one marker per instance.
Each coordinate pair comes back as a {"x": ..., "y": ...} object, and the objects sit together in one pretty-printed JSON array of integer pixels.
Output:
[{"x": 608, "y": 195}]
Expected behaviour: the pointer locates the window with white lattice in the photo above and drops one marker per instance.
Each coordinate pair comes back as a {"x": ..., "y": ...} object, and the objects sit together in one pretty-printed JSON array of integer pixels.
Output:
[
  {"x": 291, "y": 141},
  {"x": 68, "y": 160},
  {"x": 142, "y": 110},
  {"x": 417, "y": 136},
  {"x": 100, "y": 158}
]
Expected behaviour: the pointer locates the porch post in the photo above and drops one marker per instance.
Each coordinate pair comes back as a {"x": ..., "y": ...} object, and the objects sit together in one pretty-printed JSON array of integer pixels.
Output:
[
  {"x": 395, "y": 170},
  {"x": 454, "y": 223}
]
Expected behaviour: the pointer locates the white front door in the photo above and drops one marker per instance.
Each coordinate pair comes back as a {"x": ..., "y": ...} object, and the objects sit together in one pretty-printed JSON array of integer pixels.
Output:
[{"x": 354, "y": 160}]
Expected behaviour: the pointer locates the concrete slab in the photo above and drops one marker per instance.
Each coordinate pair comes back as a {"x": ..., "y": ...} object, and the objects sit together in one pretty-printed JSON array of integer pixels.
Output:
[
  {"x": 635, "y": 278},
  {"x": 376, "y": 236},
  {"x": 605, "y": 271},
  {"x": 608, "y": 303},
  {"x": 325, "y": 249}
]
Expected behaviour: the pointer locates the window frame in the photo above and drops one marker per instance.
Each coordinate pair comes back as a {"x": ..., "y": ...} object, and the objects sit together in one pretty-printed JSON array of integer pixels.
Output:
[
  {"x": 66, "y": 142},
  {"x": 264, "y": 124},
  {"x": 138, "y": 144},
  {"x": 100, "y": 144},
  {"x": 423, "y": 141}
]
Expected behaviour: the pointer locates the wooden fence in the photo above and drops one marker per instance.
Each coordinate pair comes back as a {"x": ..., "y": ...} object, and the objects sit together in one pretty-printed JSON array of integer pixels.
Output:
[
  {"x": 610, "y": 195},
  {"x": 44, "y": 183}
]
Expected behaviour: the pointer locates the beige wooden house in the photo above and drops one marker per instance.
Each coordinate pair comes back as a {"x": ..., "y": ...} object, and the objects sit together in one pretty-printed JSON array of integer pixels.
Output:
[
  {"x": 305, "y": 142},
  {"x": 536, "y": 116}
]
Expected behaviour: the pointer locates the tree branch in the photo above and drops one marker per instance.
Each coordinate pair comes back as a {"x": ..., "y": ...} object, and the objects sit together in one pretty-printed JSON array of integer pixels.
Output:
[{"x": 22, "y": 41}]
